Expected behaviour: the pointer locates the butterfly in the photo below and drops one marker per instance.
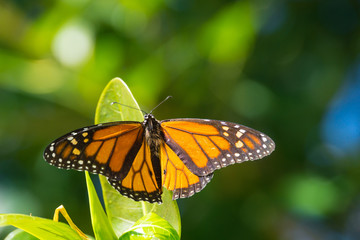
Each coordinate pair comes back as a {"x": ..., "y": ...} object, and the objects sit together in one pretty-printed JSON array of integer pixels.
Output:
[{"x": 139, "y": 158}]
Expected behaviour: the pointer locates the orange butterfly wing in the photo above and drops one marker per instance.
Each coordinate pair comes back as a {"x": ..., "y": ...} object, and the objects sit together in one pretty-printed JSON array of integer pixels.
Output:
[
  {"x": 177, "y": 177},
  {"x": 140, "y": 183},
  {"x": 105, "y": 149},
  {"x": 206, "y": 145},
  {"x": 116, "y": 150},
  {"x": 190, "y": 150}
]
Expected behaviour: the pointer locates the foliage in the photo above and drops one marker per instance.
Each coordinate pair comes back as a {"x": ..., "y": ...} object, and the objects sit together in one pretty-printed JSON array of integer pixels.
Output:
[
  {"x": 129, "y": 219},
  {"x": 39, "y": 227},
  {"x": 287, "y": 68}
]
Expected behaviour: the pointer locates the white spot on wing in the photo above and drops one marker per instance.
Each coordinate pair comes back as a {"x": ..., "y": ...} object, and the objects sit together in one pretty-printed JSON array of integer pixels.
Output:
[
  {"x": 238, "y": 134},
  {"x": 225, "y": 128}
]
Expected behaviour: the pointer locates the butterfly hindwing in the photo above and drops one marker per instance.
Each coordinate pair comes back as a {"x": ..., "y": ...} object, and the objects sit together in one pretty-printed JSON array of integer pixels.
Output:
[
  {"x": 106, "y": 149},
  {"x": 206, "y": 145},
  {"x": 177, "y": 177},
  {"x": 140, "y": 183}
]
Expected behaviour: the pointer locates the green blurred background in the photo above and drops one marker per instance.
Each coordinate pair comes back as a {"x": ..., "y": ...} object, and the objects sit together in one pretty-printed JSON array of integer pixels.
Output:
[{"x": 289, "y": 68}]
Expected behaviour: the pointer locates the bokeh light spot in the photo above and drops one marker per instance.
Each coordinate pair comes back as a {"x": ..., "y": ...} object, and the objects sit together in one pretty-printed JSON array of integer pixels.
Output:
[
  {"x": 228, "y": 36},
  {"x": 311, "y": 195},
  {"x": 13, "y": 200},
  {"x": 73, "y": 44},
  {"x": 341, "y": 128},
  {"x": 42, "y": 76},
  {"x": 251, "y": 99}
]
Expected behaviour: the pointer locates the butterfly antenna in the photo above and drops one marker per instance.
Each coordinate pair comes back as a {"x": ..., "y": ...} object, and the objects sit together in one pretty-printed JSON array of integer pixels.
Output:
[
  {"x": 161, "y": 103},
  {"x": 112, "y": 103}
]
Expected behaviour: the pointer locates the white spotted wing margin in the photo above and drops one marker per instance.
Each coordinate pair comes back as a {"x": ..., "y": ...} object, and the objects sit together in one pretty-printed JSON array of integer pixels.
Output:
[
  {"x": 68, "y": 151},
  {"x": 244, "y": 143}
]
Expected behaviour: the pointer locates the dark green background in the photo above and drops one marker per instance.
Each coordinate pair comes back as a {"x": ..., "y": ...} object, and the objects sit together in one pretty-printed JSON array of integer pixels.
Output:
[{"x": 288, "y": 68}]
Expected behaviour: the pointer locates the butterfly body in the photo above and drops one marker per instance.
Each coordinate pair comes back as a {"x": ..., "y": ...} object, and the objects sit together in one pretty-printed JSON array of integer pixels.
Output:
[
  {"x": 153, "y": 137},
  {"x": 139, "y": 158}
]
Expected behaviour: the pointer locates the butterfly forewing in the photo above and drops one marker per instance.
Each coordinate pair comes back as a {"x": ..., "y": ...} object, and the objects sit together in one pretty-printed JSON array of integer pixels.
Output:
[
  {"x": 206, "y": 145},
  {"x": 106, "y": 149}
]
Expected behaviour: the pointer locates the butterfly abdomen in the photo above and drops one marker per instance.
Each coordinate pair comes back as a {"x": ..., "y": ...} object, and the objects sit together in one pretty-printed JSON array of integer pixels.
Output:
[{"x": 154, "y": 139}]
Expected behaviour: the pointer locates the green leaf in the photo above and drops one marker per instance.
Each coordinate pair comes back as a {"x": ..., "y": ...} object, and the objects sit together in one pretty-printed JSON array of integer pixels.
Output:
[
  {"x": 101, "y": 225},
  {"x": 151, "y": 226},
  {"x": 117, "y": 91},
  {"x": 40, "y": 227},
  {"x": 20, "y": 234},
  {"x": 122, "y": 211}
]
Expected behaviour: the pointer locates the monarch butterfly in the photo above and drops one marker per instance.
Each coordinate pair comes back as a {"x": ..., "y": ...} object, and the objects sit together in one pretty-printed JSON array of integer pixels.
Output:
[{"x": 138, "y": 158}]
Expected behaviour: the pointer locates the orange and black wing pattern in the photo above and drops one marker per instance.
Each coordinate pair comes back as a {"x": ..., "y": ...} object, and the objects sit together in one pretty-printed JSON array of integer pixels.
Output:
[
  {"x": 116, "y": 150},
  {"x": 177, "y": 177},
  {"x": 140, "y": 183},
  {"x": 106, "y": 149},
  {"x": 140, "y": 158},
  {"x": 195, "y": 148}
]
